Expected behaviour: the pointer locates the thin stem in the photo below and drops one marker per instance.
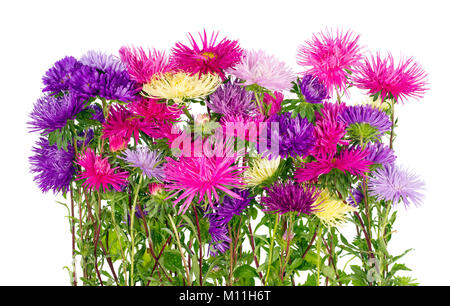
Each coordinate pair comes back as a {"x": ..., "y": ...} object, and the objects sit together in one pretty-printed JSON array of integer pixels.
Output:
[
  {"x": 113, "y": 215},
  {"x": 175, "y": 231},
  {"x": 97, "y": 235},
  {"x": 200, "y": 259},
  {"x": 230, "y": 274},
  {"x": 133, "y": 212},
  {"x": 72, "y": 215},
  {"x": 391, "y": 140},
  {"x": 252, "y": 244},
  {"x": 288, "y": 249},
  {"x": 310, "y": 244},
  {"x": 318, "y": 247},
  {"x": 271, "y": 247}
]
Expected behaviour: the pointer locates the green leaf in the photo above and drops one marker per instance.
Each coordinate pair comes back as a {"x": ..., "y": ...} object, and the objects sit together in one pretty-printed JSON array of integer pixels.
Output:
[
  {"x": 245, "y": 271},
  {"x": 328, "y": 272},
  {"x": 172, "y": 260}
]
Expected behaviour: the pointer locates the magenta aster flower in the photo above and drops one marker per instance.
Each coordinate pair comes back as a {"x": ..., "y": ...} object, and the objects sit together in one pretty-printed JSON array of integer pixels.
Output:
[
  {"x": 209, "y": 57},
  {"x": 142, "y": 66},
  {"x": 377, "y": 75},
  {"x": 243, "y": 127},
  {"x": 330, "y": 57},
  {"x": 392, "y": 183},
  {"x": 258, "y": 67},
  {"x": 98, "y": 172},
  {"x": 273, "y": 104},
  {"x": 353, "y": 161},
  {"x": 200, "y": 176}
]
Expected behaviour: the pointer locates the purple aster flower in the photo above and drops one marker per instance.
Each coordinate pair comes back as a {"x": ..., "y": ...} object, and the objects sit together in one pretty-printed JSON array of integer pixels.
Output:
[
  {"x": 284, "y": 198},
  {"x": 87, "y": 135},
  {"x": 145, "y": 159},
  {"x": 232, "y": 206},
  {"x": 380, "y": 153},
  {"x": 102, "y": 61},
  {"x": 54, "y": 168},
  {"x": 98, "y": 113},
  {"x": 57, "y": 78},
  {"x": 358, "y": 196},
  {"x": 366, "y": 114},
  {"x": 313, "y": 89},
  {"x": 231, "y": 99},
  {"x": 51, "y": 113},
  {"x": 294, "y": 135},
  {"x": 220, "y": 242},
  {"x": 392, "y": 183}
]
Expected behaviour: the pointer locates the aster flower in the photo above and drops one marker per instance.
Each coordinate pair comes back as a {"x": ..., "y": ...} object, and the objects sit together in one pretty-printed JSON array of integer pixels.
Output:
[
  {"x": 155, "y": 188},
  {"x": 98, "y": 172},
  {"x": 313, "y": 89},
  {"x": 261, "y": 170},
  {"x": 294, "y": 135},
  {"x": 145, "y": 159},
  {"x": 257, "y": 67},
  {"x": 53, "y": 167},
  {"x": 52, "y": 113},
  {"x": 356, "y": 197},
  {"x": 330, "y": 57},
  {"x": 155, "y": 112},
  {"x": 392, "y": 183},
  {"x": 377, "y": 75},
  {"x": 220, "y": 242},
  {"x": 273, "y": 103},
  {"x": 353, "y": 161},
  {"x": 365, "y": 114},
  {"x": 179, "y": 86},
  {"x": 241, "y": 126},
  {"x": 200, "y": 176},
  {"x": 57, "y": 78},
  {"x": 232, "y": 206},
  {"x": 231, "y": 99},
  {"x": 102, "y": 61},
  {"x": 142, "y": 66},
  {"x": 209, "y": 57},
  {"x": 331, "y": 210},
  {"x": 289, "y": 197},
  {"x": 97, "y": 114},
  {"x": 380, "y": 153}
]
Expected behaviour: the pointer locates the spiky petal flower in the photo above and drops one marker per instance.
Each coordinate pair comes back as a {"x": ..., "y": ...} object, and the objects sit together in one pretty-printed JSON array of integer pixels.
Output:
[
  {"x": 220, "y": 242},
  {"x": 261, "y": 170},
  {"x": 361, "y": 114},
  {"x": 273, "y": 103},
  {"x": 102, "y": 61},
  {"x": 380, "y": 153},
  {"x": 98, "y": 172},
  {"x": 147, "y": 160},
  {"x": 241, "y": 126},
  {"x": 258, "y": 67},
  {"x": 330, "y": 56},
  {"x": 392, "y": 183},
  {"x": 331, "y": 210},
  {"x": 181, "y": 85},
  {"x": 57, "y": 78},
  {"x": 209, "y": 57},
  {"x": 356, "y": 196},
  {"x": 143, "y": 66},
  {"x": 53, "y": 167},
  {"x": 231, "y": 99},
  {"x": 52, "y": 113},
  {"x": 313, "y": 89},
  {"x": 232, "y": 206},
  {"x": 381, "y": 75},
  {"x": 352, "y": 160},
  {"x": 284, "y": 198},
  {"x": 200, "y": 176}
]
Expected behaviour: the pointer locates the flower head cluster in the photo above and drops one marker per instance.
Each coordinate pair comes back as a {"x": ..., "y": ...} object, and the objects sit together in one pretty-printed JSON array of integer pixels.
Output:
[
  {"x": 331, "y": 210},
  {"x": 231, "y": 99},
  {"x": 262, "y": 170},
  {"x": 313, "y": 89},
  {"x": 145, "y": 159}
]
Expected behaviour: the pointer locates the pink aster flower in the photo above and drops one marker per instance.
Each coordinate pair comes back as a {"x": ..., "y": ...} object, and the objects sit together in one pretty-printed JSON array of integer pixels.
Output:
[
  {"x": 143, "y": 66},
  {"x": 353, "y": 161},
  {"x": 98, "y": 172},
  {"x": 188, "y": 177},
  {"x": 381, "y": 75},
  {"x": 209, "y": 57},
  {"x": 330, "y": 57},
  {"x": 273, "y": 104},
  {"x": 244, "y": 127},
  {"x": 258, "y": 67}
]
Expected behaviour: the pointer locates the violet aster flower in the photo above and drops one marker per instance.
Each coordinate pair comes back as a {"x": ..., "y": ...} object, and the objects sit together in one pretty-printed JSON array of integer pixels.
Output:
[
  {"x": 294, "y": 135},
  {"x": 284, "y": 198},
  {"x": 395, "y": 184},
  {"x": 97, "y": 114},
  {"x": 360, "y": 114},
  {"x": 53, "y": 167},
  {"x": 313, "y": 89},
  {"x": 357, "y": 195},
  {"x": 231, "y": 99},
  {"x": 380, "y": 153},
  {"x": 51, "y": 113},
  {"x": 232, "y": 206},
  {"x": 102, "y": 61},
  {"x": 220, "y": 242},
  {"x": 145, "y": 159},
  {"x": 57, "y": 78}
]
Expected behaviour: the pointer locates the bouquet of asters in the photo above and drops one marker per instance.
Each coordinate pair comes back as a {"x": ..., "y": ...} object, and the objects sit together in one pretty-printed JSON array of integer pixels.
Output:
[{"x": 215, "y": 165}]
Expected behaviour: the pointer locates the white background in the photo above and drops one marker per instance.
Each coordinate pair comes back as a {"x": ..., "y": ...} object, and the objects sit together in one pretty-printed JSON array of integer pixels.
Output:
[{"x": 35, "y": 241}]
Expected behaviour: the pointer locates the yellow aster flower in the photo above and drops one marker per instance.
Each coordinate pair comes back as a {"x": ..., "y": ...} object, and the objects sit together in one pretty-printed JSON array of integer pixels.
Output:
[
  {"x": 261, "y": 170},
  {"x": 181, "y": 85},
  {"x": 331, "y": 210}
]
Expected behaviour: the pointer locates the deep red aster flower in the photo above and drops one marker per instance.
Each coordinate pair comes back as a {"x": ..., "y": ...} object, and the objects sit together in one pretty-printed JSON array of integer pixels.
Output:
[
  {"x": 381, "y": 75},
  {"x": 98, "y": 172},
  {"x": 209, "y": 57}
]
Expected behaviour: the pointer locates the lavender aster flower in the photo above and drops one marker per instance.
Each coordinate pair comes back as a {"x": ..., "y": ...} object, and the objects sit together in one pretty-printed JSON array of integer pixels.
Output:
[
  {"x": 380, "y": 153},
  {"x": 102, "y": 61},
  {"x": 220, "y": 242},
  {"x": 231, "y": 99},
  {"x": 52, "y": 113},
  {"x": 313, "y": 89},
  {"x": 294, "y": 135},
  {"x": 232, "y": 206},
  {"x": 57, "y": 78},
  {"x": 54, "y": 168},
  {"x": 284, "y": 198},
  {"x": 360, "y": 114},
  {"x": 145, "y": 159},
  {"x": 392, "y": 183}
]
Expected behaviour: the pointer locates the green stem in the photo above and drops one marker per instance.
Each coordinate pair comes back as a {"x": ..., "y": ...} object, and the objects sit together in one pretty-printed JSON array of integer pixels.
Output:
[
  {"x": 175, "y": 232},
  {"x": 319, "y": 247},
  {"x": 391, "y": 140},
  {"x": 113, "y": 215},
  {"x": 271, "y": 247},
  {"x": 133, "y": 212}
]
